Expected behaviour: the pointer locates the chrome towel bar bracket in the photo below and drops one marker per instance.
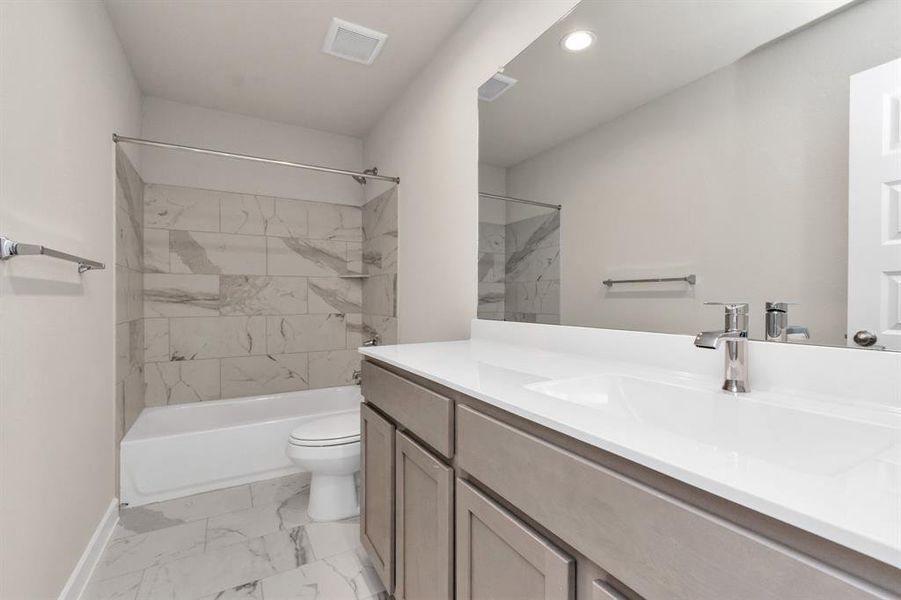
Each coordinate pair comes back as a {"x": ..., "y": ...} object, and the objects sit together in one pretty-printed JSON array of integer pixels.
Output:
[
  {"x": 689, "y": 279},
  {"x": 10, "y": 249}
]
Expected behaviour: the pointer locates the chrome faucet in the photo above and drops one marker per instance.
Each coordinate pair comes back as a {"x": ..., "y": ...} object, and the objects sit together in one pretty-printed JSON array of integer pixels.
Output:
[
  {"x": 375, "y": 340},
  {"x": 777, "y": 327},
  {"x": 735, "y": 334},
  {"x": 357, "y": 377}
]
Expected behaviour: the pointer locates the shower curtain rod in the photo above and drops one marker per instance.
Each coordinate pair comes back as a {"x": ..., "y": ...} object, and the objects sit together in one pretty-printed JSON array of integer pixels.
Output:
[
  {"x": 359, "y": 177},
  {"x": 520, "y": 200}
]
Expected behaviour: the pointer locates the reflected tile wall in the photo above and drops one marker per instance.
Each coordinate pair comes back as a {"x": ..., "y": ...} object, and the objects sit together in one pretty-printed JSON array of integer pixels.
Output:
[
  {"x": 379, "y": 262},
  {"x": 532, "y": 269},
  {"x": 243, "y": 294},
  {"x": 492, "y": 261},
  {"x": 130, "y": 332}
]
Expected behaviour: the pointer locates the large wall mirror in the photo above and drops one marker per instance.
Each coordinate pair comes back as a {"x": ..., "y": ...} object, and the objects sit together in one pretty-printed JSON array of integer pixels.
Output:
[{"x": 740, "y": 151}]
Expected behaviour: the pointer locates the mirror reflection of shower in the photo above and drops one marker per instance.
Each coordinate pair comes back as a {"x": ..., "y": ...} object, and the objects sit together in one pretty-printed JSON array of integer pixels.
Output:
[{"x": 519, "y": 259}]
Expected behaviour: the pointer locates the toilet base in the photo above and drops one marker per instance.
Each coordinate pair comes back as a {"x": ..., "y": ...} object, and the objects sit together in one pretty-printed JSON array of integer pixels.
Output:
[{"x": 333, "y": 497}]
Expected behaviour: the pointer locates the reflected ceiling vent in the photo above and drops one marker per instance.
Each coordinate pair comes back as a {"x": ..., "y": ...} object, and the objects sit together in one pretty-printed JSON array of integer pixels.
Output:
[
  {"x": 492, "y": 89},
  {"x": 353, "y": 42}
]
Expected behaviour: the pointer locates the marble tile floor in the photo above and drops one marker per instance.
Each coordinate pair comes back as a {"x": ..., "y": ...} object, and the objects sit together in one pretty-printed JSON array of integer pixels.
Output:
[{"x": 250, "y": 542}]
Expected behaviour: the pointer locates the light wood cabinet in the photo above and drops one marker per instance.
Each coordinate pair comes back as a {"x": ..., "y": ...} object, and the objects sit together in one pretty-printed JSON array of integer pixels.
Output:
[
  {"x": 498, "y": 556},
  {"x": 377, "y": 492},
  {"x": 424, "y": 524},
  {"x": 439, "y": 468},
  {"x": 653, "y": 543}
]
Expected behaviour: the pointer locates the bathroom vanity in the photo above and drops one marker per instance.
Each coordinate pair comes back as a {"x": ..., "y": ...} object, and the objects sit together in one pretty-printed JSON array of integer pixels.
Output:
[{"x": 501, "y": 467}]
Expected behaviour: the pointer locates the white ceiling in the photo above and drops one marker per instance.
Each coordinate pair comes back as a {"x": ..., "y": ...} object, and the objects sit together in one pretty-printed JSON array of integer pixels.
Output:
[
  {"x": 644, "y": 49},
  {"x": 263, "y": 58}
]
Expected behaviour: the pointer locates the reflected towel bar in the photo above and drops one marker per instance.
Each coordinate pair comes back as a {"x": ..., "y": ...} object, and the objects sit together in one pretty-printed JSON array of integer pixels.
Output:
[
  {"x": 689, "y": 279},
  {"x": 9, "y": 249}
]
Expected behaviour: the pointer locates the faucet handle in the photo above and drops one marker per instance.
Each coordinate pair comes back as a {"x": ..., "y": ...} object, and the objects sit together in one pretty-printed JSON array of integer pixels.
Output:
[
  {"x": 732, "y": 308},
  {"x": 736, "y": 315},
  {"x": 779, "y": 306}
]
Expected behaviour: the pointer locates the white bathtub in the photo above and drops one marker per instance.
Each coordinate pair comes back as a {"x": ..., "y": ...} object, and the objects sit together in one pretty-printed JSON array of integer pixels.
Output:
[{"x": 184, "y": 449}]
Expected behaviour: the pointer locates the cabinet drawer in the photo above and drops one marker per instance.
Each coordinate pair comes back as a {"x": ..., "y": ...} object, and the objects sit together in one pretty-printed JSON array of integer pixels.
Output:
[
  {"x": 498, "y": 556},
  {"x": 429, "y": 416},
  {"x": 653, "y": 543}
]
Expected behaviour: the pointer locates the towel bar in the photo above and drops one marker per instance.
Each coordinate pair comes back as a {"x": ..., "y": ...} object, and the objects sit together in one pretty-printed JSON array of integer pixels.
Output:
[
  {"x": 689, "y": 279},
  {"x": 9, "y": 249}
]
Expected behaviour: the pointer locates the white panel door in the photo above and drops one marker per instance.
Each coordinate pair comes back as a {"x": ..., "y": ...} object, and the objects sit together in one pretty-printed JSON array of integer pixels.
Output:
[{"x": 874, "y": 202}]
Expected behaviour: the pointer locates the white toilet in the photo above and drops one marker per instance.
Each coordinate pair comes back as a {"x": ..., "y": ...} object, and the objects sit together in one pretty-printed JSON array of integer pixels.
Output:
[{"x": 329, "y": 448}]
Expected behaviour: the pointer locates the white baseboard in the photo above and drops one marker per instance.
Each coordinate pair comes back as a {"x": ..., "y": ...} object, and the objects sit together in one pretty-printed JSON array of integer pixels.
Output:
[{"x": 80, "y": 576}]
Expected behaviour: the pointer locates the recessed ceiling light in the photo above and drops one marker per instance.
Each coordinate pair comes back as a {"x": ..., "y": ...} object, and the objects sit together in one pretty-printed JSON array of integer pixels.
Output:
[{"x": 576, "y": 41}]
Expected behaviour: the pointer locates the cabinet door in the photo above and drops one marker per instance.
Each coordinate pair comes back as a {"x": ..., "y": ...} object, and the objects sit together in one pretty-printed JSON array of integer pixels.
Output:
[
  {"x": 377, "y": 492},
  {"x": 498, "y": 556},
  {"x": 424, "y": 524}
]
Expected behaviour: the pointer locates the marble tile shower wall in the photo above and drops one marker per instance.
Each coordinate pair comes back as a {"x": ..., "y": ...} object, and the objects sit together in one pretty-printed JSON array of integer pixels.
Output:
[
  {"x": 247, "y": 295},
  {"x": 492, "y": 259},
  {"x": 129, "y": 290},
  {"x": 380, "y": 264},
  {"x": 532, "y": 269}
]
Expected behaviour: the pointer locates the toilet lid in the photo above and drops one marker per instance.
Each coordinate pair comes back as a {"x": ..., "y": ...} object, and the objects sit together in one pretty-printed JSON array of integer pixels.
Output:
[{"x": 331, "y": 430}]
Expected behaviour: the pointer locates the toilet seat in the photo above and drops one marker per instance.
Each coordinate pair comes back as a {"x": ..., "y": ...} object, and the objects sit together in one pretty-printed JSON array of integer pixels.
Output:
[{"x": 339, "y": 429}]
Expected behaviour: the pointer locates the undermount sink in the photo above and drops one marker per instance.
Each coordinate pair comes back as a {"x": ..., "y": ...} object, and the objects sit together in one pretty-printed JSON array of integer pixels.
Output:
[
  {"x": 747, "y": 426},
  {"x": 603, "y": 390}
]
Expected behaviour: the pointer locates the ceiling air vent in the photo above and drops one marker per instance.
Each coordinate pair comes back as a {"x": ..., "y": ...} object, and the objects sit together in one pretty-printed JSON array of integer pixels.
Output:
[
  {"x": 492, "y": 89},
  {"x": 353, "y": 42}
]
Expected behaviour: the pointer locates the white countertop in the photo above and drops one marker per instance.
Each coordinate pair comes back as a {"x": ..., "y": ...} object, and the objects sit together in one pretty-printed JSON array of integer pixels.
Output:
[{"x": 828, "y": 466}]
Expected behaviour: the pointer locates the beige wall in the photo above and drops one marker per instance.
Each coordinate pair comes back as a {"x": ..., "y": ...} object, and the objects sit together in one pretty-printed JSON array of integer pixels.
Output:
[
  {"x": 740, "y": 177},
  {"x": 66, "y": 87},
  {"x": 195, "y": 126},
  {"x": 430, "y": 139}
]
